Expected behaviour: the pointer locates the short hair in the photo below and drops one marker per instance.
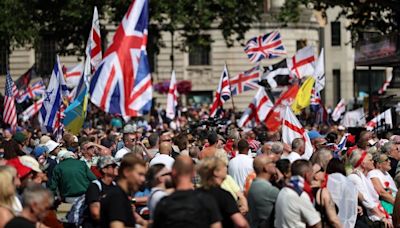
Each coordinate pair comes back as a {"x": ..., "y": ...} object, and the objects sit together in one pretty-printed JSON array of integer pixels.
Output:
[
  {"x": 35, "y": 193},
  {"x": 277, "y": 148},
  {"x": 152, "y": 173},
  {"x": 153, "y": 139},
  {"x": 387, "y": 147},
  {"x": 212, "y": 137},
  {"x": 297, "y": 143},
  {"x": 322, "y": 157},
  {"x": 300, "y": 167},
  {"x": 331, "y": 137},
  {"x": 129, "y": 162},
  {"x": 181, "y": 141},
  {"x": 283, "y": 165},
  {"x": 243, "y": 146},
  {"x": 259, "y": 163}
]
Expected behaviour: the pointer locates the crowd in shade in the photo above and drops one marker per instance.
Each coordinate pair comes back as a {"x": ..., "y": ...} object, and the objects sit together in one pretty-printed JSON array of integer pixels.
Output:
[{"x": 197, "y": 172}]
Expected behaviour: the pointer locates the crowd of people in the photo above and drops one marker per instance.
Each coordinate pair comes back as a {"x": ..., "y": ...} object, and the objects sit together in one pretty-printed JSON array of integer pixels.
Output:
[{"x": 192, "y": 173}]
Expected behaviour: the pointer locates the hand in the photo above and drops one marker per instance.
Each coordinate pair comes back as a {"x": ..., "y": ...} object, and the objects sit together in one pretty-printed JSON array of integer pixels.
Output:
[
  {"x": 388, "y": 224},
  {"x": 243, "y": 209}
]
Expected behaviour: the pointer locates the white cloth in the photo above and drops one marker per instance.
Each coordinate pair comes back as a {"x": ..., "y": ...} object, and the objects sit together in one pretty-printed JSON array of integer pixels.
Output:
[
  {"x": 164, "y": 159},
  {"x": 383, "y": 177},
  {"x": 294, "y": 211},
  {"x": 344, "y": 194},
  {"x": 120, "y": 153},
  {"x": 155, "y": 196},
  {"x": 365, "y": 187},
  {"x": 293, "y": 156},
  {"x": 240, "y": 167}
]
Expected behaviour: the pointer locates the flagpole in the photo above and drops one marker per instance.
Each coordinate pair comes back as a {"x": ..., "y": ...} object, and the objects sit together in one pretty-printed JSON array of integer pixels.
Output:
[{"x": 229, "y": 77}]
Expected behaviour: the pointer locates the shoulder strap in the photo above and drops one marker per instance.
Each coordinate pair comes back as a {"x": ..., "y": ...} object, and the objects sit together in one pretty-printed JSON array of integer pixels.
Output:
[{"x": 97, "y": 182}]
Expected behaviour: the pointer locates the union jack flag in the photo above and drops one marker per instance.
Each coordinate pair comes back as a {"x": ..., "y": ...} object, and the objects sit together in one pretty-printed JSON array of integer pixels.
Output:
[
  {"x": 35, "y": 90},
  {"x": 223, "y": 92},
  {"x": 245, "y": 81},
  {"x": 122, "y": 82},
  {"x": 268, "y": 46}
]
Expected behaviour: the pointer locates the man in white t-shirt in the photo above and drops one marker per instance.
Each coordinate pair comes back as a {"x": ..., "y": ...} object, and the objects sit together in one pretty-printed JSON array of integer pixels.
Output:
[
  {"x": 298, "y": 149},
  {"x": 241, "y": 165},
  {"x": 294, "y": 209},
  {"x": 164, "y": 156}
]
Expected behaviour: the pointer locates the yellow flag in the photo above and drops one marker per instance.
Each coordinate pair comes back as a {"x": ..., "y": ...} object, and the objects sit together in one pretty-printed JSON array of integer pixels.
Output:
[{"x": 303, "y": 97}]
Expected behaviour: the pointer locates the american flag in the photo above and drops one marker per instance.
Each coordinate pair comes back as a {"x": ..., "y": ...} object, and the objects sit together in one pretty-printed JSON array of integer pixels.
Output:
[
  {"x": 122, "y": 83},
  {"x": 268, "y": 46},
  {"x": 32, "y": 91},
  {"x": 10, "y": 112},
  {"x": 247, "y": 80}
]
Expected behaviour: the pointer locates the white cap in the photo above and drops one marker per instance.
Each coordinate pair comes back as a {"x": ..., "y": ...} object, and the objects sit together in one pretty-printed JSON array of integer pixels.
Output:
[{"x": 51, "y": 145}]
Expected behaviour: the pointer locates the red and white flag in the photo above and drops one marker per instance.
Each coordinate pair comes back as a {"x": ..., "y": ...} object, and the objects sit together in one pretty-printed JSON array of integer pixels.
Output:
[
  {"x": 274, "y": 117},
  {"x": 258, "y": 109},
  {"x": 292, "y": 129},
  {"x": 319, "y": 72},
  {"x": 72, "y": 75},
  {"x": 302, "y": 63},
  {"x": 383, "y": 118},
  {"x": 9, "y": 112},
  {"x": 339, "y": 110},
  {"x": 93, "y": 47},
  {"x": 223, "y": 92},
  {"x": 31, "y": 110},
  {"x": 172, "y": 99},
  {"x": 389, "y": 76}
]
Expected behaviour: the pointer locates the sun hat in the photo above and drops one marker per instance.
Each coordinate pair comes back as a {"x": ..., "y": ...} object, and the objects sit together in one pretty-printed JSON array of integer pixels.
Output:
[
  {"x": 30, "y": 162},
  {"x": 51, "y": 145}
]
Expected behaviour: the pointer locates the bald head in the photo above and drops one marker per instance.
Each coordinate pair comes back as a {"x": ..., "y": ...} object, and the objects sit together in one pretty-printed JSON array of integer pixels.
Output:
[
  {"x": 165, "y": 148},
  {"x": 260, "y": 162},
  {"x": 183, "y": 166}
]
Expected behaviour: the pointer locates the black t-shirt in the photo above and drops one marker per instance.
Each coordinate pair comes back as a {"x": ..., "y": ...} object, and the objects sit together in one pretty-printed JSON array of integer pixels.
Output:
[
  {"x": 92, "y": 195},
  {"x": 191, "y": 208},
  {"x": 226, "y": 204},
  {"x": 18, "y": 222},
  {"x": 116, "y": 206}
]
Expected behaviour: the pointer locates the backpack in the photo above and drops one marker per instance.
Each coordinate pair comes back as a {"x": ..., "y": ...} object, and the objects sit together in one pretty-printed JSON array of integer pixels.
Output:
[{"x": 75, "y": 214}]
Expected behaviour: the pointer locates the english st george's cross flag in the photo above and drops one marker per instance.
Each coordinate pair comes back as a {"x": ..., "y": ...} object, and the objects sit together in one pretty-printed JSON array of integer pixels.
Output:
[
  {"x": 50, "y": 113},
  {"x": 32, "y": 110},
  {"x": 93, "y": 46},
  {"x": 9, "y": 112},
  {"x": 258, "y": 109},
  {"x": 223, "y": 92},
  {"x": 385, "y": 116},
  {"x": 34, "y": 90},
  {"x": 268, "y": 46},
  {"x": 245, "y": 81},
  {"x": 292, "y": 129},
  {"x": 122, "y": 82},
  {"x": 302, "y": 63},
  {"x": 172, "y": 97},
  {"x": 274, "y": 117},
  {"x": 386, "y": 83},
  {"x": 73, "y": 74},
  {"x": 339, "y": 110}
]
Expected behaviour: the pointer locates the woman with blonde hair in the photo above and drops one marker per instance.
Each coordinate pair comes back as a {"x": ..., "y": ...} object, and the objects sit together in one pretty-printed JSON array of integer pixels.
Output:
[
  {"x": 213, "y": 172},
  {"x": 7, "y": 194},
  {"x": 361, "y": 162}
]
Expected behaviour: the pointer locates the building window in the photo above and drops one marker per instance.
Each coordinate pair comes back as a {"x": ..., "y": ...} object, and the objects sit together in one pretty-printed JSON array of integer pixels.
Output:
[
  {"x": 301, "y": 44},
  {"x": 335, "y": 33},
  {"x": 336, "y": 85},
  {"x": 45, "y": 56},
  {"x": 199, "y": 55},
  {"x": 362, "y": 79},
  {"x": 4, "y": 59},
  {"x": 199, "y": 98}
]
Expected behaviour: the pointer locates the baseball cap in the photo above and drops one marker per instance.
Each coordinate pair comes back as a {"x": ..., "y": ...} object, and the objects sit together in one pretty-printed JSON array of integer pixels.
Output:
[
  {"x": 313, "y": 134},
  {"x": 22, "y": 170},
  {"x": 51, "y": 145},
  {"x": 19, "y": 137},
  {"x": 30, "y": 162},
  {"x": 39, "y": 150},
  {"x": 106, "y": 161}
]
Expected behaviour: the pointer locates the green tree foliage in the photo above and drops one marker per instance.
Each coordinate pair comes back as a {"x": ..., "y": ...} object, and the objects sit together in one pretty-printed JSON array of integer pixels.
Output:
[
  {"x": 381, "y": 16},
  {"x": 68, "y": 22}
]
